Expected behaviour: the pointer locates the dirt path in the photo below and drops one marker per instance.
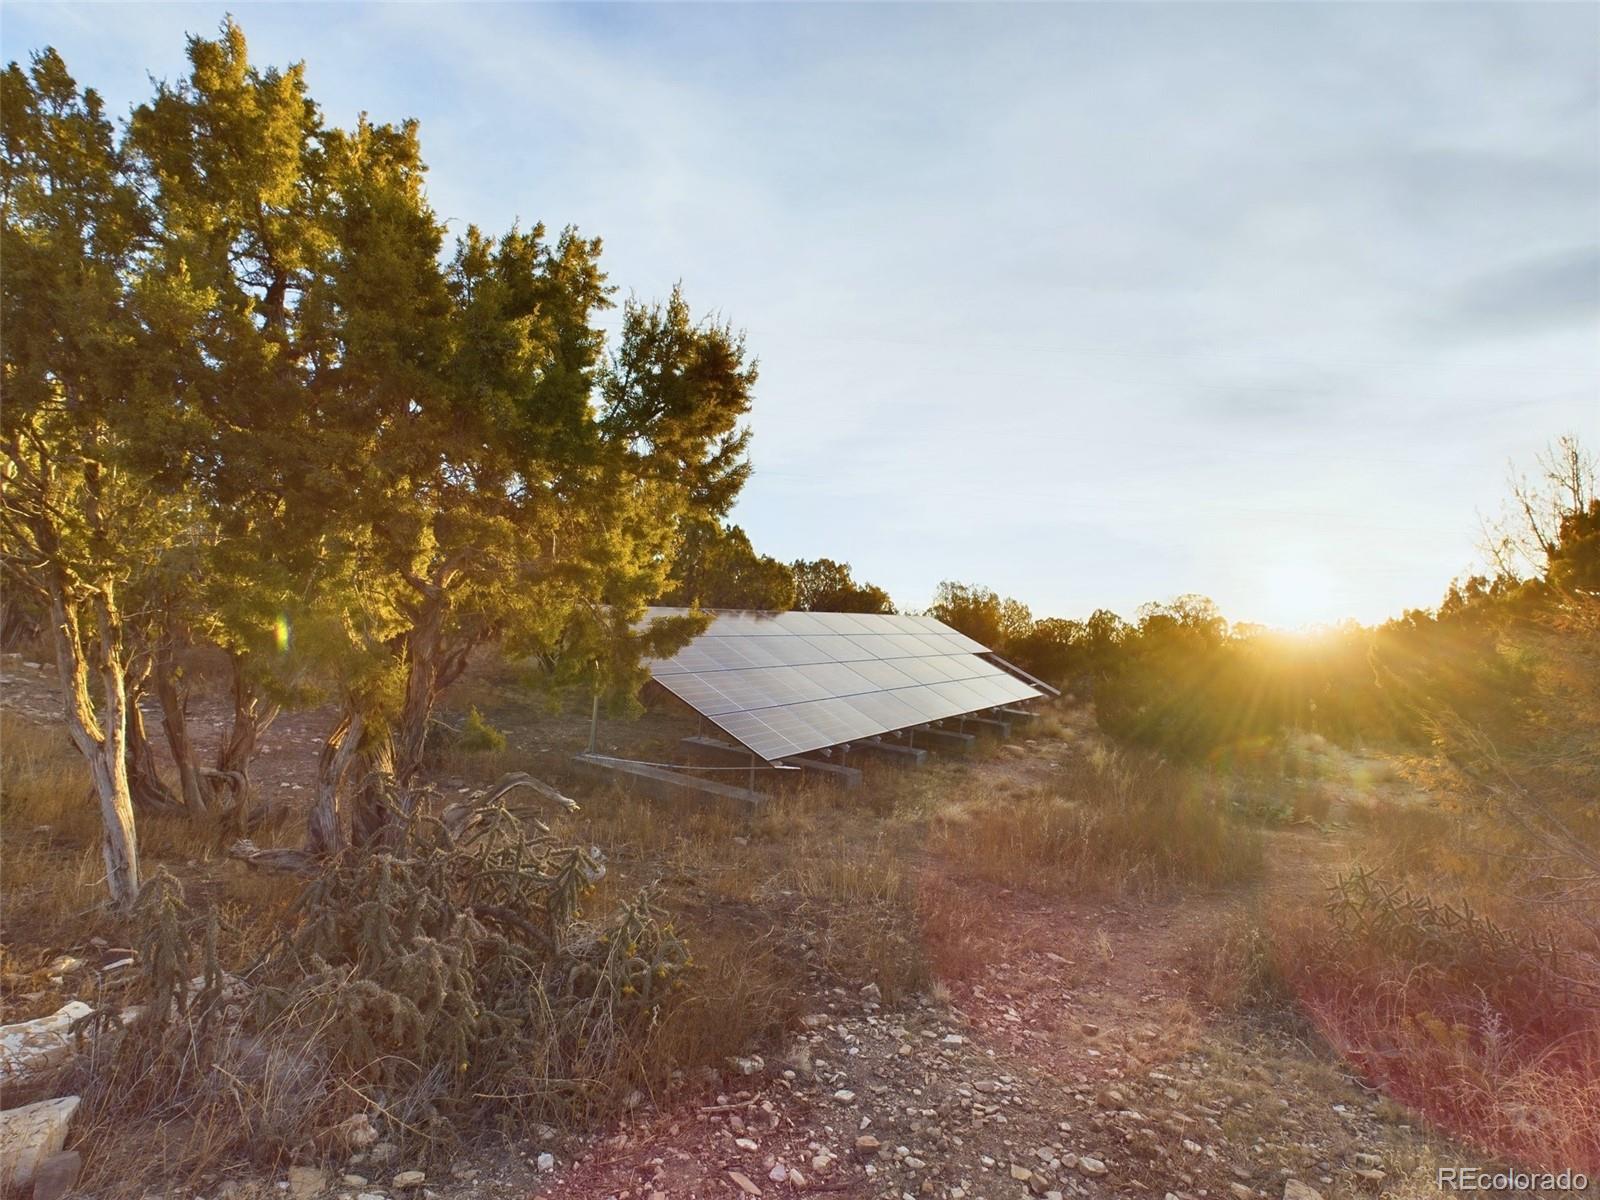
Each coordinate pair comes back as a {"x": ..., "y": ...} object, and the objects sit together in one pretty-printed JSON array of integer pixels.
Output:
[{"x": 1075, "y": 1055}]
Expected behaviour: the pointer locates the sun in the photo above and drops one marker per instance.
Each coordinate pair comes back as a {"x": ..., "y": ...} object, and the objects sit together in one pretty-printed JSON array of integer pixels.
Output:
[{"x": 1294, "y": 594}]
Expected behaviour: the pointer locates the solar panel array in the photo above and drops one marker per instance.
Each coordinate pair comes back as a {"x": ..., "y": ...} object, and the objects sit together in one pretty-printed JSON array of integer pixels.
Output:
[{"x": 786, "y": 683}]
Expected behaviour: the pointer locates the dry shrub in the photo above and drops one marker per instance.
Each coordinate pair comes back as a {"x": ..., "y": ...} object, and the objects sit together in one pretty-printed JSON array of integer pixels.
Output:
[
  {"x": 446, "y": 982},
  {"x": 1112, "y": 825},
  {"x": 1239, "y": 970},
  {"x": 456, "y": 970},
  {"x": 745, "y": 992},
  {"x": 1489, "y": 1033},
  {"x": 952, "y": 930},
  {"x": 1404, "y": 835},
  {"x": 857, "y": 906}
]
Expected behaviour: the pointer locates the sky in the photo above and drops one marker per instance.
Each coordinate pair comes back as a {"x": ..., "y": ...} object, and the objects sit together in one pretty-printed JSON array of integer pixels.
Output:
[{"x": 1093, "y": 304}]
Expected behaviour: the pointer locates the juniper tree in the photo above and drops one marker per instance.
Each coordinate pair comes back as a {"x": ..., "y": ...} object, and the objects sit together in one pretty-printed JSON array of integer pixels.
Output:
[
  {"x": 86, "y": 501},
  {"x": 245, "y": 385},
  {"x": 235, "y": 163}
]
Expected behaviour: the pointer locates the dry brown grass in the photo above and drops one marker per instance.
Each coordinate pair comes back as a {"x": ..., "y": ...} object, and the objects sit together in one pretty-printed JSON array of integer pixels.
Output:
[
  {"x": 50, "y": 865},
  {"x": 1513, "y": 1070},
  {"x": 1505, "y": 1056},
  {"x": 1107, "y": 824}
]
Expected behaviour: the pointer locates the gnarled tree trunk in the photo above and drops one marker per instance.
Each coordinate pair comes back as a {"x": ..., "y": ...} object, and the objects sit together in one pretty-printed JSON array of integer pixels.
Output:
[
  {"x": 172, "y": 692},
  {"x": 324, "y": 830},
  {"x": 379, "y": 803},
  {"x": 103, "y": 744},
  {"x": 145, "y": 785},
  {"x": 253, "y": 715}
]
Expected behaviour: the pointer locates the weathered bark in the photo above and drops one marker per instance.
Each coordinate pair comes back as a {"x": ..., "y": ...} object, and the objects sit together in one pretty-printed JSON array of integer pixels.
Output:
[
  {"x": 324, "y": 830},
  {"x": 102, "y": 744},
  {"x": 145, "y": 785},
  {"x": 253, "y": 715},
  {"x": 458, "y": 816},
  {"x": 172, "y": 693},
  {"x": 434, "y": 660},
  {"x": 379, "y": 804}
]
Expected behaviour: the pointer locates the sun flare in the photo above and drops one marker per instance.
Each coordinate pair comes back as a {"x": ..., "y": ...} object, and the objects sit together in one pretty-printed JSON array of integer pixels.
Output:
[{"x": 1293, "y": 594}]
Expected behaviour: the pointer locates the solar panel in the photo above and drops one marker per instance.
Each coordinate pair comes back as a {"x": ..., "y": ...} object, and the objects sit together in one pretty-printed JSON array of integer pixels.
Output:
[{"x": 783, "y": 684}]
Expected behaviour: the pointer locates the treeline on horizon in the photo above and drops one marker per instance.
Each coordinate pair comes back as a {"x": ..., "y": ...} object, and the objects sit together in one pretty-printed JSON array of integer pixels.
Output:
[{"x": 1180, "y": 677}]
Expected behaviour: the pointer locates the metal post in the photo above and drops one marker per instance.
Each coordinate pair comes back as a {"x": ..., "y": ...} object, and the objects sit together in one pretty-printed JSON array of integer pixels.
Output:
[
  {"x": 594, "y": 720},
  {"x": 752, "y": 770}
]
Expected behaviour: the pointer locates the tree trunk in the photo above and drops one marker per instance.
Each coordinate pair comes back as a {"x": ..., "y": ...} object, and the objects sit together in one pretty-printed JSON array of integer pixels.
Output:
[
  {"x": 433, "y": 663},
  {"x": 145, "y": 785},
  {"x": 324, "y": 831},
  {"x": 172, "y": 692},
  {"x": 380, "y": 803},
  {"x": 252, "y": 717},
  {"x": 104, "y": 747}
]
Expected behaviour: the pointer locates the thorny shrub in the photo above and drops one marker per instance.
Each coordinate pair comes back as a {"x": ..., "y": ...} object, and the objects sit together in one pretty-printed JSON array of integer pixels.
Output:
[{"x": 449, "y": 979}]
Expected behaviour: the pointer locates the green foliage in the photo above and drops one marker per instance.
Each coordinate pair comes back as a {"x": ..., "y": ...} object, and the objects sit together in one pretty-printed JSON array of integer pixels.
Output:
[
  {"x": 981, "y": 614},
  {"x": 480, "y": 737},
  {"x": 717, "y": 567},
  {"x": 1573, "y": 563},
  {"x": 249, "y": 384},
  {"x": 823, "y": 585}
]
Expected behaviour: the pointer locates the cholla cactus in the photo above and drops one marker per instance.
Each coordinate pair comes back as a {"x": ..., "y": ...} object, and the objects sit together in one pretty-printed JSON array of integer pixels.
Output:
[{"x": 458, "y": 961}]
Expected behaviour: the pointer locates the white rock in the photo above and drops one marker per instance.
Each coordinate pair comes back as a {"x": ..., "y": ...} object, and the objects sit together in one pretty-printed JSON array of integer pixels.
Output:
[
  {"x": 1091, "y": 1166},
  {"x": 547, "y": 1162},
  {"x": 845, "y": 1096},
  {"x": 31, "y": 1134},
  {"x": 1293, "y": 1189},
  {"x": 778, "y": 1173},
  {"x": 409, "y": 1179},
  {"x": 306, "y": 1182},
  {"x": 30, "y": 1045}
]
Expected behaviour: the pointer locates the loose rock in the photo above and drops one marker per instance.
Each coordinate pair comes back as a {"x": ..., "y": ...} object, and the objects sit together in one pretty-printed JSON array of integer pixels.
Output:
[{"x": 56, "y": 1175}]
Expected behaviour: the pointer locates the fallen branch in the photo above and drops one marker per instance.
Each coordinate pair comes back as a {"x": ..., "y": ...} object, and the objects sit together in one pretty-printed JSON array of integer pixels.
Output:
[
  {"x": 284, "y": 860},
  {"x": 459, "y": 815}
]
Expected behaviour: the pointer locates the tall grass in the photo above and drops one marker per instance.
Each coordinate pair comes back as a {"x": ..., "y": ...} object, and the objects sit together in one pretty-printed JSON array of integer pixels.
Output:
[
  {"x": 1107, "y": 824},
  {"x": 1505, "y": 1062}
]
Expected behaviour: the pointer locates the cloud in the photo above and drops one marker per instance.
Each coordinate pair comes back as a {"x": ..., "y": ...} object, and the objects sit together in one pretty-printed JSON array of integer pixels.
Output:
[{"x": 1550, "y": 290}]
